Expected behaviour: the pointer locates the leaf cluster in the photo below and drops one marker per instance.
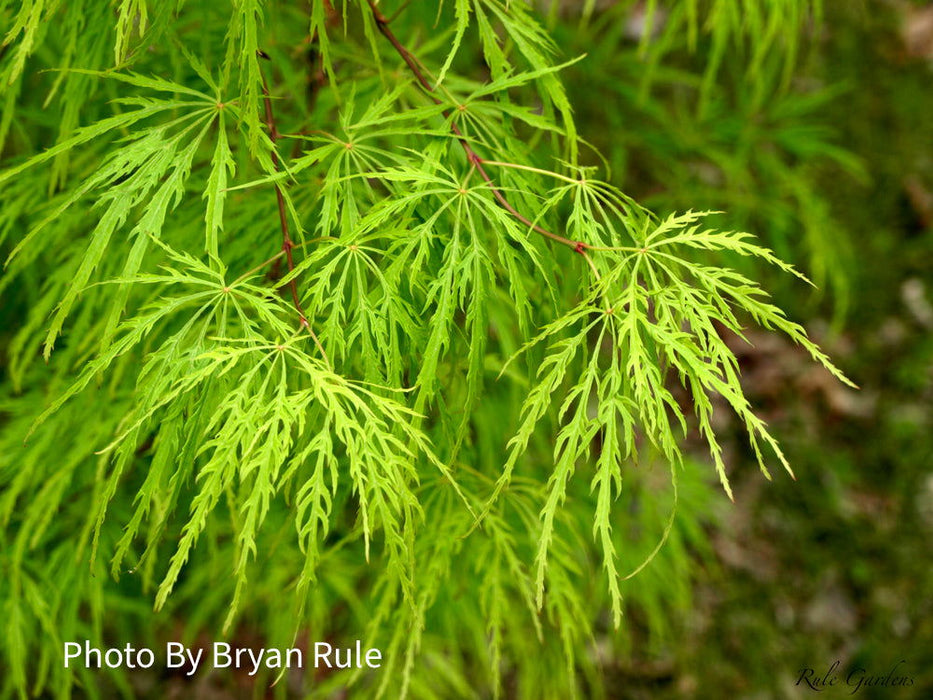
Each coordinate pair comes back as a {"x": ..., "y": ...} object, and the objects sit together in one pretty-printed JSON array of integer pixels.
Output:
[{"x": 365, "y": 353}]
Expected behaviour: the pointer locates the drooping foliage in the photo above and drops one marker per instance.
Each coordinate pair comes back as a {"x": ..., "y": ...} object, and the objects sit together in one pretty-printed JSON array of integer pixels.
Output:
[{"x": 344, "y": 335}]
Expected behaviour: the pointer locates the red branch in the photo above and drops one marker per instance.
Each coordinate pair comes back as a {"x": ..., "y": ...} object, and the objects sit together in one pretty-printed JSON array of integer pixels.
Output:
[
  {"x": 383, "y": 24},
  {"x": 287, "y": 243}
]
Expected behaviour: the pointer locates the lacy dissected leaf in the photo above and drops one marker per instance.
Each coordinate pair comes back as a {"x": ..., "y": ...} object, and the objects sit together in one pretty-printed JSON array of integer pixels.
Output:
[{"x": 285, "y": 263}]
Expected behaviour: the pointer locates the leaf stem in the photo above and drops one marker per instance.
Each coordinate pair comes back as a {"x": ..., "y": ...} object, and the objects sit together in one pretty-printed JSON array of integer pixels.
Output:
[
  {"x": 275, "y": 258},
  {"x": 531, "y": 169}
]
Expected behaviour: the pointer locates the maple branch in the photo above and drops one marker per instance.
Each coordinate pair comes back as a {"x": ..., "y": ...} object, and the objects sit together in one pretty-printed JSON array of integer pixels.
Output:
[
  {"x": 472, "y": 156},
  {"x": 287, "y": 243}
]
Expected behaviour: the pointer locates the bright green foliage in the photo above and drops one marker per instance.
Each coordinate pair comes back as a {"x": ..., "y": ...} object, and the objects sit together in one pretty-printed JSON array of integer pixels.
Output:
[{"x": 440, "y": 461}]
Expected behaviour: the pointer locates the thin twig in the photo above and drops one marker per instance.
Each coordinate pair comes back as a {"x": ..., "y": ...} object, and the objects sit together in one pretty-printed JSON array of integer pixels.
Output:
[
  {"x": 383, "y": 24},
  {"x": 287, "y": 243}
]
